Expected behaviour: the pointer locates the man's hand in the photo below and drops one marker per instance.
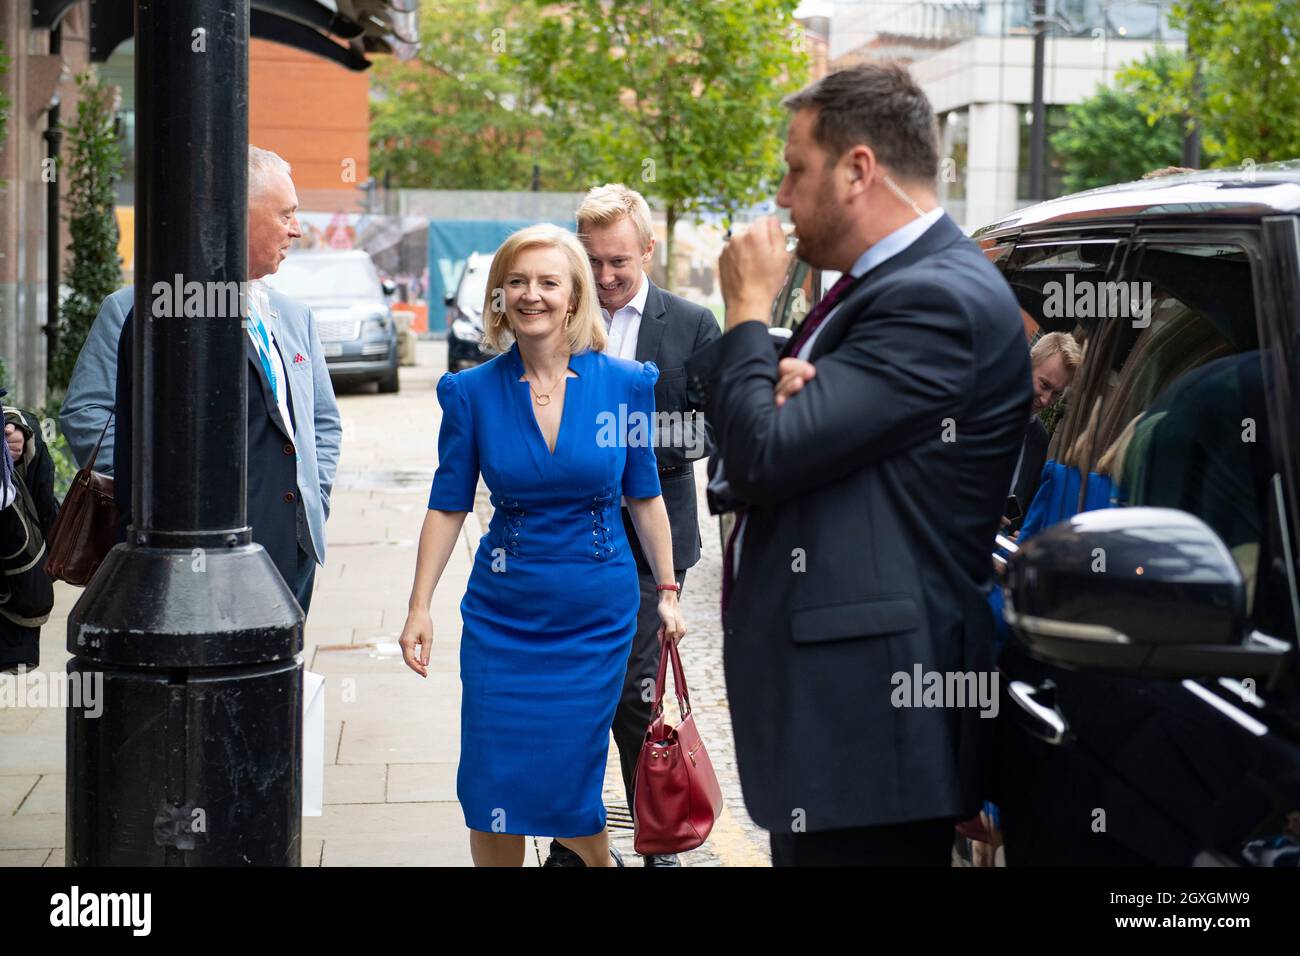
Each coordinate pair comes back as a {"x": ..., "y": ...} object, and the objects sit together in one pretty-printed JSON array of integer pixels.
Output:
[
  {"x": 14, "y": 440},
  {"x": 791, "y": 375},
  {"x": 752, "y": 270}
]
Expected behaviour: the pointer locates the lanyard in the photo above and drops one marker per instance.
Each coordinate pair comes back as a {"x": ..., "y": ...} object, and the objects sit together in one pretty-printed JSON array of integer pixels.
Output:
[{"x": 262, "y": 342}]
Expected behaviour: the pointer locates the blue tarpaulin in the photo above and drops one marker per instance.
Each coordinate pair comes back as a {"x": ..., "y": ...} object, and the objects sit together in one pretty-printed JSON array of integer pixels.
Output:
[{"x": 450, "y": 243}]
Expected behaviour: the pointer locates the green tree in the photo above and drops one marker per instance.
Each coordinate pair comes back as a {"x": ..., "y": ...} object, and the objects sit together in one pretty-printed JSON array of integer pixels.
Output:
[
  {"x": 93, "y": 165},
  {"x": 1109, "y": 138},
  {"x": 4, "y": 105},
  {"x": 1248, "y": 100},
  {"x": 679, "y": 99},
  {"x": 463, "y": 114}
]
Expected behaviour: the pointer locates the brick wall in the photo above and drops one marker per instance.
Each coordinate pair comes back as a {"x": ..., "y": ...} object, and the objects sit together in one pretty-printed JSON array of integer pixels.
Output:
[{"x": 314, "y": 113}]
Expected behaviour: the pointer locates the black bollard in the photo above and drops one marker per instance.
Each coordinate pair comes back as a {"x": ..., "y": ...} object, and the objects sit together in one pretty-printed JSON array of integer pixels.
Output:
[{"x": 195, "y": 755}]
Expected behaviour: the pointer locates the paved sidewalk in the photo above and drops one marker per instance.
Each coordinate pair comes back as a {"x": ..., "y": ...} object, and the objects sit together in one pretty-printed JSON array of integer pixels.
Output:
[{"x": 392, "y": 740}]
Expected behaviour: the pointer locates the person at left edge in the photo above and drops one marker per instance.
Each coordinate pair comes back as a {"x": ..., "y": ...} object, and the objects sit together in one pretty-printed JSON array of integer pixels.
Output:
[{"x": 294, "y": 428}]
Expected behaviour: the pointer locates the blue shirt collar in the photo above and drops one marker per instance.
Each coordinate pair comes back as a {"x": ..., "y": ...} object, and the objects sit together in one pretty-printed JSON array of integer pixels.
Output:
[{"x": 895, "y": 242}]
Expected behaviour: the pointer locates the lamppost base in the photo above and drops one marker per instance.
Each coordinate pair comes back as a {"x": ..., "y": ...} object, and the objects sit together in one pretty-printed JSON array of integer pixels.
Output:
[{"x": 187, "y": 747}]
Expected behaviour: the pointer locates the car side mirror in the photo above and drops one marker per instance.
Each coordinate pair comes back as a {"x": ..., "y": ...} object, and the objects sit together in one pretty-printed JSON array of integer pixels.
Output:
[{"x": 1149, "y": 591}]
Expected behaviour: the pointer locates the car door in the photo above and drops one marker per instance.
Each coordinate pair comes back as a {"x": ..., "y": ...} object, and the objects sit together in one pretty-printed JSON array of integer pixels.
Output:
[{"x": 1174, "y": 406}]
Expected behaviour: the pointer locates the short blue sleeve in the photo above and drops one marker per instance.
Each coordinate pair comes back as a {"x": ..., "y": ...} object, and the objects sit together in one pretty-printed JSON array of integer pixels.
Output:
[
  {"x": 456, "y": 479},
  {"x": 640, "y": 474}
]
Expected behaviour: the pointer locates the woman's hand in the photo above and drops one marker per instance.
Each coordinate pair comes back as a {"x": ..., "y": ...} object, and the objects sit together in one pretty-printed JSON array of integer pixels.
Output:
[
  {"x": 417, "y": 641},
  {"x": 672, "y": 624}
]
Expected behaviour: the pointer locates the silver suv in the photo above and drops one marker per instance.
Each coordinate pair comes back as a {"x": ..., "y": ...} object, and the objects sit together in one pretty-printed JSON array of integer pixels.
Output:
[{"x": 357, "y": 332}]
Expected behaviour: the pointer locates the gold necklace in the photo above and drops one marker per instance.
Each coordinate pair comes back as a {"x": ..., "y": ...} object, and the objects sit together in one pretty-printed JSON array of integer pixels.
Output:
[{"x": 544, "y": 398}]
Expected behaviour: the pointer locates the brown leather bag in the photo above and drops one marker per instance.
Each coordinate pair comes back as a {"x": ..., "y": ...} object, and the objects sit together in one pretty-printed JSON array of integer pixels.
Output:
[{"x": 86, "y": 527}]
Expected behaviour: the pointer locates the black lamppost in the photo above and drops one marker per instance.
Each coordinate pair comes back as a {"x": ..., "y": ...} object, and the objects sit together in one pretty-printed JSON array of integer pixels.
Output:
[
  {"x": 1038, "y": 124},
  {"x": 195, "y": 757}
]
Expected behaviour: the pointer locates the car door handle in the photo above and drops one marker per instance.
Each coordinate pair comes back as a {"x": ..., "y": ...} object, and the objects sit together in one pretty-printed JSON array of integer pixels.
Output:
[{"x": 1036, "y": 711}]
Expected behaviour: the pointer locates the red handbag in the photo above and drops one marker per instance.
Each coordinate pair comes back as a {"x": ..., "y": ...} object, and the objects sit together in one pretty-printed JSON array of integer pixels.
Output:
[{"x": 675, "y": 796}]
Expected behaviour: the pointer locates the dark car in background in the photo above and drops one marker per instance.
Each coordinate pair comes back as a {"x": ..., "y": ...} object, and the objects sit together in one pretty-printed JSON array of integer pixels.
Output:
[
  {"x": 465, "y": 345},
  {"x": 353, "y": 318},
  {"x": 1150, "y": 695}
]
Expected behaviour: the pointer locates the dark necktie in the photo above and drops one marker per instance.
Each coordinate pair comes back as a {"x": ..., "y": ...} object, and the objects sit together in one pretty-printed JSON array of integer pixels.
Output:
[
  {"x": 818, "y": 315},
  {"x": 815, "y": 318}
]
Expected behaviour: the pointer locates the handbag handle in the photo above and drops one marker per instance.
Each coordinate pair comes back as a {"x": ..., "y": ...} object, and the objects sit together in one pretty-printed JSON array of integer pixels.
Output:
[
  {"x": 90, "y": 465},
  {"x": 668, "y": 651}
]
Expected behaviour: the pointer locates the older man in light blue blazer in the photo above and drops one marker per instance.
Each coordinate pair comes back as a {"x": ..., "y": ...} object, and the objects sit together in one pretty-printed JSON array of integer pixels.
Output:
[{"x": 313, "y": 428}]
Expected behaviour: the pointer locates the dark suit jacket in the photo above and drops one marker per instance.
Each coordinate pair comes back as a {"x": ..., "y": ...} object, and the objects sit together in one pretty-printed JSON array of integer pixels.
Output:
[
  {"x": 672, "y": 330},
  {"x": 1031, "y": 467},
  {"x": 853, "y": 569},
  {"x": 272, "y": 469}
]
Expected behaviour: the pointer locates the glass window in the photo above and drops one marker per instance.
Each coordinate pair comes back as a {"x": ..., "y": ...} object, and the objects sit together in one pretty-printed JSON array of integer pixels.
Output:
[
  {"x": 1182, "y": 420},
  {"x": 796, "y": 298},
  {"x": 311, "y": 276}
]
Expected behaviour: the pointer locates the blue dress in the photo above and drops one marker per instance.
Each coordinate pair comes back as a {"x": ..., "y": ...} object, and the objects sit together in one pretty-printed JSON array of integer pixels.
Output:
[{"x": 551, "y": 606}]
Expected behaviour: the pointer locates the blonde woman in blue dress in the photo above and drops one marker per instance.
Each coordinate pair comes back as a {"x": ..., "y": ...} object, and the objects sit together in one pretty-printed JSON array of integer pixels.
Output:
[{"x": 560, "y": 432}]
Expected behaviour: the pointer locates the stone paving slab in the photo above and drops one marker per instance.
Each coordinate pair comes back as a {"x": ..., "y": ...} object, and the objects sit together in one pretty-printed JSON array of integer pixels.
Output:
[
  {"x": 48, "y": 796},
  {"x": 31, "y": 832},
  {"x": 24, "y": 857},
  {"x": 14, "y": 789},
  {"x": 422, "y": 782}
]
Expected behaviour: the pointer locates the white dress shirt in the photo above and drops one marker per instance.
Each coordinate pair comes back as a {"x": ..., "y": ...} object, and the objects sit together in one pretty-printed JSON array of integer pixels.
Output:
[
  {"x": 259, "y": 298},
  {"x": 625, "y": 324},
  {"x": 886, "y": 248}
]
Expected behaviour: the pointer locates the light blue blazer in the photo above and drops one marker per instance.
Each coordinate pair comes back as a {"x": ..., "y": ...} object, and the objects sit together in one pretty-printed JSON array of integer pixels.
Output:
[{"x": 92, "y": 394}]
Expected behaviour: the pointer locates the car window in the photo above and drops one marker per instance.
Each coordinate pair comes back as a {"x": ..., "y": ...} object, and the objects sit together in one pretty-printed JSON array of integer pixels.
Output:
[
  {"x": 1172, "y": 410},
  {"x": 309, "y": 276},
  {"x": 1051, "y": 280},
  {"x": 796, "y": 297}
]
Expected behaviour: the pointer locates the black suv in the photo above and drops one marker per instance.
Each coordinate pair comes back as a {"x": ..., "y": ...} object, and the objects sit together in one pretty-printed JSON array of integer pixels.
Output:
[
  {"x": 1151, "y": 704},
  {"x": 1150, "y": 700}
]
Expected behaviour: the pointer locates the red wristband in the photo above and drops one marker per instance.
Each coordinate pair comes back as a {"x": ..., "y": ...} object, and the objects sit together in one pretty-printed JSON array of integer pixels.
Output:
[{"x": 669, "y": 587}]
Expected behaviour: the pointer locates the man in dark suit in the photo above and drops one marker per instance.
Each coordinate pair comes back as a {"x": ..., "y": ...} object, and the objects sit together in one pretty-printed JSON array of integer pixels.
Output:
[
  {"x": 871, "y": 463},
  {"x": 648, "y": 324},
  {"x": 294, "y": 427}
]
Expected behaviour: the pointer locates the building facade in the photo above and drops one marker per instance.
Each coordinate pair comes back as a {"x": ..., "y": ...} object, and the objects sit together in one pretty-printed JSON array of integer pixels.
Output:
[{"x": 975, "y": 59}]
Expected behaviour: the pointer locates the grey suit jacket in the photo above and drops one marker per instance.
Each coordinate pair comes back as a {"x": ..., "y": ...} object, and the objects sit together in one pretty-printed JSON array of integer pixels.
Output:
[
  {"x": 92, "y": 390},
  {"x": 92, "y": 394},
  {"x": 672, "y": 330}
]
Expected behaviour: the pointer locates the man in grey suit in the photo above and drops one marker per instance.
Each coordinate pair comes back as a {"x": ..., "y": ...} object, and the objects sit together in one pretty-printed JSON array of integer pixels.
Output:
[
  {"x": 648, "y": 324},
  {"x": 294, "y": 425}
]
